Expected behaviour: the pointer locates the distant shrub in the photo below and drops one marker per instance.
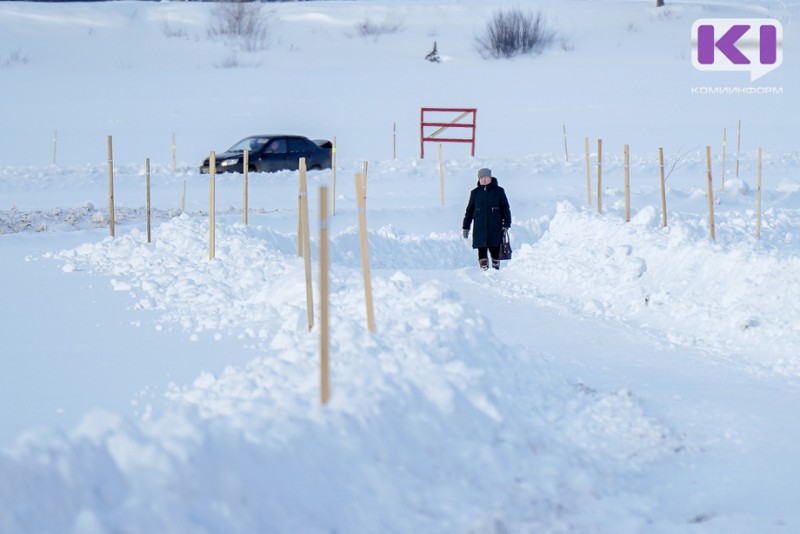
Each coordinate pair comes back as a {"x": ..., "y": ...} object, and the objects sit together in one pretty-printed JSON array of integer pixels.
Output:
[
  {"x": 369, "y": 28},
  {"x": 232, "y": 61},
  {"x": 515, "y": 32},
  {"x": 242, "y": 21},
  {"x": 229, "y": 62},
  {"x": 15, "y": 57},
  {"x": 173, "y": 32}
]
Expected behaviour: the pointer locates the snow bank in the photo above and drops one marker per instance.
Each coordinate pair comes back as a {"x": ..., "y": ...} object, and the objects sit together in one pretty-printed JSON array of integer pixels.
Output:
[
  {"x": 734, "y": 296},
  {"x": 435, "y": 403}
]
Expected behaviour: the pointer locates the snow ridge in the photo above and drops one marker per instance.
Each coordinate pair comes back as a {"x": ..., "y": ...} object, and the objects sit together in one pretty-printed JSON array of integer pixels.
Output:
[{"x": 435, "y": 363}]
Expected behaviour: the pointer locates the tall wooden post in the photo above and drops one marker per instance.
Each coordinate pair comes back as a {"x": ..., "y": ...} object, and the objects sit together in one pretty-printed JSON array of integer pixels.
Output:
[
  {"x": 299, "y": 221},
  {"x": 663, "y": 186},
  {"x": 758, "y": 222},
  {"x": 306, "y": 242},
  {"x": 710, "y": 194},
  {"x": 245, "y": 170},
  {"x": 324, "y": 344},
  {"x": 627, "y": 184},
  {"x": 724, "y": 146},
  {"x": 111, "y": 221},
  {"x": 566, "y": 153},
  {"x": 300, "y": 194},
  {"x": 147, "y": 182},
  {"x": 212, "y": 205},
  {"x": 599, "y": 176},
  {"x": 362, "y": 224},
  {"x": 588, "y": 173},
  {"x": 738, "y": 148}
]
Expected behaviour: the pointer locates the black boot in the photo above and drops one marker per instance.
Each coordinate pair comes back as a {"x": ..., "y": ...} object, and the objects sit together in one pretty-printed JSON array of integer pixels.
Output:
[
  {"x": 495, "y": 264},
  {"x": 484, "y": 263}
]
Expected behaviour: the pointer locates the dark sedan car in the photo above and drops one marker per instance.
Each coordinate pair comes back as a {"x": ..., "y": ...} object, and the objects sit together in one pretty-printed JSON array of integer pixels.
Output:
[{"x": 270, "y": 153}]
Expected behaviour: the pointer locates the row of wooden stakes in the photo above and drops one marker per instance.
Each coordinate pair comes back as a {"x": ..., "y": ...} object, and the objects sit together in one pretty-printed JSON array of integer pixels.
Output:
[{"x": 662, "y": 183}]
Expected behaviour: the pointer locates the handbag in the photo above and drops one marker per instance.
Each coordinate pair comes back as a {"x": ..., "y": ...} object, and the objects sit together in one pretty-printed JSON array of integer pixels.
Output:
[{"x": 505, "y": 246}]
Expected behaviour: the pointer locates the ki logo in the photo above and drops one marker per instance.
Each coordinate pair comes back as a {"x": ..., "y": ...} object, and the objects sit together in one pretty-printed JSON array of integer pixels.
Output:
[{"x": 754, "y": 45}]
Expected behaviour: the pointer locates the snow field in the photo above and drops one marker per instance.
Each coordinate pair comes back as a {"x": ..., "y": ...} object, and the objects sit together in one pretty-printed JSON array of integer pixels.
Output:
[{"x": 612, "y": 377}]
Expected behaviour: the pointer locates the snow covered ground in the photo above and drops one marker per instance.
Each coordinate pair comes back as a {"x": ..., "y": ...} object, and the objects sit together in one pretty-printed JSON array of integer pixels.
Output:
[{"x": 613, "y": 377}]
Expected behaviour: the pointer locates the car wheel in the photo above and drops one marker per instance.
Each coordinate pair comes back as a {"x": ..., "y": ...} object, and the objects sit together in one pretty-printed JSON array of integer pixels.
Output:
[{"x": 315, "y": 168}]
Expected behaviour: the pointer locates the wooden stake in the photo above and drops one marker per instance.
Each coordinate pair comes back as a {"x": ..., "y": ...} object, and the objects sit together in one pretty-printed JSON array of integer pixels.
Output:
[
  {"x": 245, "y": 170},
  {"x": 299, "y": 221},
  {"x": 599, "y": 176},
  {"x": 362, "y": 224},
  {"x": 333, "y": 177},
  {"x": 710, "y": 194},
  {"x": 306, "y": 243},
  {"x": 441, "y": 173},
  {"x": 758, "y": 223},
  {"x": 566, "y": 153},
  {"x": 324, "y": 344},
  {"x": 627, "y": 185},
  {"x": 588, "y": 173},
  {"x": 110, "y": 187},
  {"x": 663, "y": 187},
  {"x": 147, "y": 181},
  {"x": 212, "y": 205},
  {"x": 738, "y": 148},
  {"x": 724, "y": 146},
  {"x": 300, "y": 193},
  {"x": 174, "y": 162}
]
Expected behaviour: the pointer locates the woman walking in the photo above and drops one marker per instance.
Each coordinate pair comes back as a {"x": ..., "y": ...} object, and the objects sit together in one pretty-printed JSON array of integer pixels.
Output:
[{"x": 489, "y": 210}]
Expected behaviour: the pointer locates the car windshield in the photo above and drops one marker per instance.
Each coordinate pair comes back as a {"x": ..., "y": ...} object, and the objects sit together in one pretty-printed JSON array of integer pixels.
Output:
[{"x": 251, "y": 143}]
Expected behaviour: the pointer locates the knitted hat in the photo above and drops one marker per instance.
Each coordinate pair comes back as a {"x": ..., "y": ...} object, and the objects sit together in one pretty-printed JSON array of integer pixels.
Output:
[{"x": 484, "y": 173}]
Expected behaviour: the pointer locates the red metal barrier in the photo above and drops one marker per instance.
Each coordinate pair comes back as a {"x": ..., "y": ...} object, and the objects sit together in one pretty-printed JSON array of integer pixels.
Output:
[{"x": 442, "y": 126}]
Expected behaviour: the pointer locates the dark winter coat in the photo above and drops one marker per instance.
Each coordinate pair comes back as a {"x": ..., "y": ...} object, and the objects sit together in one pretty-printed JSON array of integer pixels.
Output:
[{"x": 488, "y": 208}]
